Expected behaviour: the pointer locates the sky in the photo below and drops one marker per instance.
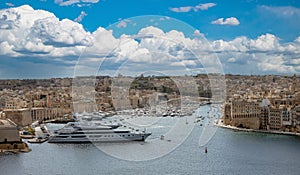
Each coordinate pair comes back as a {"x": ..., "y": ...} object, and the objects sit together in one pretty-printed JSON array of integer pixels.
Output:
[{"x": 64, "y": 38}]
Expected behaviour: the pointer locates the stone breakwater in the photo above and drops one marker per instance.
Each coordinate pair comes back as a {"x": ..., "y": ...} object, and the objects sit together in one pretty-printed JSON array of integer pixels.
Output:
[{"x": 14, "y": 147}]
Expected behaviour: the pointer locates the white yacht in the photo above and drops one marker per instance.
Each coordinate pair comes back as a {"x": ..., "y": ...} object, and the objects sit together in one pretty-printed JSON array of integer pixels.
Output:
[{"x": 75, "y": 132}]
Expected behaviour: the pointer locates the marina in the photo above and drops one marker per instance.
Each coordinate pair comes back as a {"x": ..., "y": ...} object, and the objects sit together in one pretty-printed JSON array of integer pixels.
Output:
[
  {"x": 228, "y": 152},
  {"x": 113, "y": 87}
]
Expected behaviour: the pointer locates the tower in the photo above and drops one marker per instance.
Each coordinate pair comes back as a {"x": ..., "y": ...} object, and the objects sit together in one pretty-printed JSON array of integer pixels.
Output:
[{"x": 295, "y": 83}]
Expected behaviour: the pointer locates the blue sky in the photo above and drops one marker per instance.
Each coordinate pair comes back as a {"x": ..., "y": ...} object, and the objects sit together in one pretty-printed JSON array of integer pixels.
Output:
[
  {"x": 247, "y": 36},
  {"x": 254, "y": 18}
]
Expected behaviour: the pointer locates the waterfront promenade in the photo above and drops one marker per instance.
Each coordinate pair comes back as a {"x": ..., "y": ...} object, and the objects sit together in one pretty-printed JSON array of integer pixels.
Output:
[{"x": 219, "y": 123}]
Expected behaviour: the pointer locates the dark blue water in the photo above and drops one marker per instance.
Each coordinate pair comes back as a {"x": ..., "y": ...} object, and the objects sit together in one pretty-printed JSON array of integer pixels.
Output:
[{"x": 229, "y": 152}]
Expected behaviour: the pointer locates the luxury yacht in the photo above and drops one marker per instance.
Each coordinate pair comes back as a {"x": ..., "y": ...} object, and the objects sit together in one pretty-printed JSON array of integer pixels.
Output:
[{"x": 75, "y": 132}]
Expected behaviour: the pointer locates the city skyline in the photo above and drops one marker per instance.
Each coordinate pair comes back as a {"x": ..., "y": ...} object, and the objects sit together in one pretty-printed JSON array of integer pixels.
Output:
[{"x": 44, "y": 39}]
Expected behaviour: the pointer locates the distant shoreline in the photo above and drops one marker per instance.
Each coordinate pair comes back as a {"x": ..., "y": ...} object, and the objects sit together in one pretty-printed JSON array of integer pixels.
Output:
[
  {"x": 220, "y": 124},
  {"x": 131, "y": 76}
]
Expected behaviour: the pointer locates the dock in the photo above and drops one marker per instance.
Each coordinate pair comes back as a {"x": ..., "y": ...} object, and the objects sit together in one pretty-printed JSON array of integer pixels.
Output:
[
  {"x": 60, "y": 120},
  {"x": 41, "y": 134}
]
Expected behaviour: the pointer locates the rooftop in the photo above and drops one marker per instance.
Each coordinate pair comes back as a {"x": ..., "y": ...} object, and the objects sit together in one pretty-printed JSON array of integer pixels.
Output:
[{"x": 6, "y": 123}]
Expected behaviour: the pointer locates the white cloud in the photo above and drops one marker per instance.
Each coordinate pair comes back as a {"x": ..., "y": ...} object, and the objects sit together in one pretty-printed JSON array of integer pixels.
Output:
[
  {"x": 232, "y": 21},
  {"x": 81, "y": 16},
  {"x": 6, "y": 48},
  {"x": 283, "y": 11},
  {"x": 267, "y": 42},
  {"x": 295, "y": 61},
  {"x": 90, "y": 1},
  {"x": 9, "y": 4},
  {"x": 197, "y": 33},
  {"x": 164, "y": 18},
  {"x": 63, "y": 33},
  {"x": 276, "y": 63},
  {"x": 79, "y": 3},
  {"x": 195, "y": 8},
  {"x": 38, "y": 34},
  {"x": 103, "y": 42},
  {"x": 66, "y": 2},
  {"x": 204, "y": 6},
  {"x": 28, "y": 31},
  {"x": 182, "y": 9},
  {"x": 123, "y": 23},
  {"x": 184, "y": 63},
  {"x": 265, "y": 54},
  {"x": 231, "y": 60}
]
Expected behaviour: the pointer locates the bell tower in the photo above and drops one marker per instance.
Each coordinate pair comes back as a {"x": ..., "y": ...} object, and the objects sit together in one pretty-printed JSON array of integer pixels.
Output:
[{"x": 295, "y": 83}]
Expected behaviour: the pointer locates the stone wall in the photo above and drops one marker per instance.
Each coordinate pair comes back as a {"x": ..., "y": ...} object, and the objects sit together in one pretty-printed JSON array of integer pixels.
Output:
[
  {"x": 12, "y": 146},
  {"x": 9, "y": 134},
  {"x": 250, "y": 123},
  {"x": 21, "y": 117}
]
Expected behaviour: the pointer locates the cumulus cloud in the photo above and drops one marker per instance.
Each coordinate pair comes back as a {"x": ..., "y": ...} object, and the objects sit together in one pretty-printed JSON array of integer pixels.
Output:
[
  {"x": 173, "y": 43},
  {"x": 38, "y": 34},
  {"x": 28, "y": 31},
  {"x": 232, "y": 21},
  {"x": 276, "y": 63},
  {"x": 60, "y": 33},
  {"x": 265, "y": 54},
  {"x": 197, "y": 33},
  {"x": 267, "y": 43},
  {"x": 195, "y": 8},
  {"x": 104, "y": 43},
  {"x": 81, "y": 16}
]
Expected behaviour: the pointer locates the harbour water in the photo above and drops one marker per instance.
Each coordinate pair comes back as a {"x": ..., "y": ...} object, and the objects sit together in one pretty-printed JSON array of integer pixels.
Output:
[{"x": 229, "y": 152}]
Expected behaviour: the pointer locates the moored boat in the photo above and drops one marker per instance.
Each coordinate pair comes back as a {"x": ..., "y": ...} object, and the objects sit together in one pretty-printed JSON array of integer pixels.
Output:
[{"x": 75, "y": 132}]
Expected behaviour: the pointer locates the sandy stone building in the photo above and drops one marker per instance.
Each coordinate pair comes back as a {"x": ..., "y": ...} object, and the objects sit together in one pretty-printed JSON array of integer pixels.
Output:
[
  {"x": 275, "y": 119},
  {"x": 21, "y": 117},
  {"x": 242, "y": 113},
  {"x": 8, "y": 131}
]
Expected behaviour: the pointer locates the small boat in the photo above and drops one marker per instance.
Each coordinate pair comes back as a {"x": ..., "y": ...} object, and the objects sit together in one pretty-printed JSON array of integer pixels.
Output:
[
  {"x": 199, "y": 116},
  {"x": 38, "y": 140},
  {"x": 165, "y": 115}
]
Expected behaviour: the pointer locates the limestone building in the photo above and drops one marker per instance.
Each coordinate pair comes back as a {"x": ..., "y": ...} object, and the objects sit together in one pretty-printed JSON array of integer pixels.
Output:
[
  {"x": 243, "y": 114},
  {"x": 21, "y": 117},
  {"x": 8, "y": 131},
  {"x": 275, "y": 119}
]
